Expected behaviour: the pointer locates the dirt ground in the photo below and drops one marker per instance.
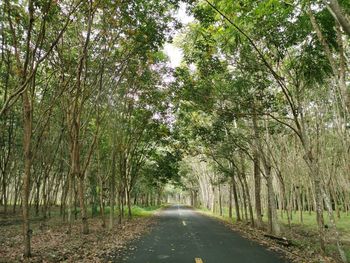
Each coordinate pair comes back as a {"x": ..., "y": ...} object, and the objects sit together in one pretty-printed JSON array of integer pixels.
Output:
[{"x": 52, "y": 243}]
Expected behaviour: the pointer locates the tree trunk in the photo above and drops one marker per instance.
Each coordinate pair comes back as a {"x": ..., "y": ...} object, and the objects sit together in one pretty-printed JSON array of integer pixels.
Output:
[
  {"x": 257, "y": 178},
  {"x": 4, "y": 193},
  {"x": 251, "y": 214},
  {"x": 257, "y": 190},
  {"x": 27, "y": 137},
  {"x": 212, "y": 199},
  {"x": 339, "y": 15},
  {"x": 102, "y": 206},
  {"x": 300, "y": 204},
  {"x": 15, "y": 197},
  {"x": 128, "y": 202},
  {"x": 244, "y": 199},
  {"x": 318, "y": 202},
  {"x": 37, "y": 197},
  {"x": 235, "y": 197},
  {"x": 333, "y": 227},
  {"x": 274, "y": 226},
  {"x": 83, "y": 210},
  {"x": 230, "y": 200},
  {"x": 112, "y": 190},
  {"x": 220, "y": 201},
  {"x": 70, "y": 201},
  {"x": 45, "y": 198}
]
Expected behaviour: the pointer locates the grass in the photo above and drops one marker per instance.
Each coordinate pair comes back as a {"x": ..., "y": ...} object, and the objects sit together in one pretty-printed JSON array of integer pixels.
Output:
[
  {"x": 309, "y": 221},
  {"x": 138, "y": 211},
  {"x": 309, "y": 225},
  {"x": 224, "y": 216}
]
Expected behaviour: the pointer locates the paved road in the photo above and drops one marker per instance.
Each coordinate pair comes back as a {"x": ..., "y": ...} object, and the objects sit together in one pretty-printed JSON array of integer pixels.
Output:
[{"x": 184, "y": 236}]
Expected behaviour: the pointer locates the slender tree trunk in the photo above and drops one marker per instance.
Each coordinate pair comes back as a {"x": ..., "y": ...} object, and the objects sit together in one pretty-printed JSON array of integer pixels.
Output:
[
  {"x": 27, "y": 137},
  {"x": 257, "y": 190},
  {"x": 257, "y": 177},
  {"x": 247, "y": 193},
  {"x": 334, "y": 195},
  {"x": 37, "y": 197},
  {"x": 121, "y": 205},
  {"x": 83, "y": 210},
  {"x": 102, "y": 206},
  {"x": 339, "y": 15},
  {"x": 4, "y": 193},
  {"x": 112, "y": 190},
  {"x": 230, "y": 200},
  {"x": 128, "y": 202},
  {"x": 212, "y": 199},
  {"x": 64, "y": 200},
  {"x": 15, "y": 198},
  {"x": 274, "y": 226},
  {"x": 333, "y": 227},
  {"x": 70, "y": 201},
  {"x": 220, "y": 201},
  {"x": 244, "y": 199},
  {"x": 251, "y": 214},
  {"x": 300, "y": 204},
  {"x": 318, "y": 202},
  {"x": 235, "y": 197},
  {"x": 45, "y": 198}
]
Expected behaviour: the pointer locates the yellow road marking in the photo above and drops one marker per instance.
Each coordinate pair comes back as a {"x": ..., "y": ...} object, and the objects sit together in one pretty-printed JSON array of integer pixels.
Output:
[
  {"x": 198, "y": 260},
  {"x": 184, "y": 223}
]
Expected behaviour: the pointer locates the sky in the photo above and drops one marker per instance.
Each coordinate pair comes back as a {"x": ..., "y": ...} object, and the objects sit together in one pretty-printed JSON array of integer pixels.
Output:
[{"x": 175, "y": 53}]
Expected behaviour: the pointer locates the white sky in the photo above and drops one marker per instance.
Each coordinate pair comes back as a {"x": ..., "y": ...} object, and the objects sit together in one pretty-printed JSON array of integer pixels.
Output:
[{"x": 175, "y": 54}]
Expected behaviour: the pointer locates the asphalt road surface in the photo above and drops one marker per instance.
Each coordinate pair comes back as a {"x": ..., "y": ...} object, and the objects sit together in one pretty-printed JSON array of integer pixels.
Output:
[{"x": 184, "y": 236}]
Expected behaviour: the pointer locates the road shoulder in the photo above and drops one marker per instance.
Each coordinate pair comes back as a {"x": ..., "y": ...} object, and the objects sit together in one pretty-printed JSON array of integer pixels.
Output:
[{"x": 293, "y": 252}]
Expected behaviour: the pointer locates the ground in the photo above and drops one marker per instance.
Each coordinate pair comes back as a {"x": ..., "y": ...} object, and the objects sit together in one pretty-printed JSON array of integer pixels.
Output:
[
  {"x": 186, "y": 236},
  {"x": 160, "y": 236},
  {"x": 51, "y": 243},
  {"x": 303, "y": 235}
]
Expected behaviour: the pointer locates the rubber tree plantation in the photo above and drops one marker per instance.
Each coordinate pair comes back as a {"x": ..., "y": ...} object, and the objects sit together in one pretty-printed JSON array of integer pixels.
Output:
[{"x": 100, "y": 132}]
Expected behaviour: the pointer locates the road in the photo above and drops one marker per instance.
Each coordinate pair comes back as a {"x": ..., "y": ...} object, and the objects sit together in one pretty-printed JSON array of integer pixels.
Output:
[{"x": 184, "y": 235}]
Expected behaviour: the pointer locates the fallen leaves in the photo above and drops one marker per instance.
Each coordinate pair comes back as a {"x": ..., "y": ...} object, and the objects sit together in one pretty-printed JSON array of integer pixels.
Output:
[
  {"x": 294, "y": 253},
  {"x": 53, "y": 244},
  {"x": 300, "y": 248}
]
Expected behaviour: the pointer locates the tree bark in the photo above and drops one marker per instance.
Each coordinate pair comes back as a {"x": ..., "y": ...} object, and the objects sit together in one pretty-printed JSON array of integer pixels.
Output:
[
  {"x": 257, "y": 190},
  {"x": 83, "y": 210},
  {"x": 112, "y": 190},
  {"x": 220, "y": 201},
  {"x": 27, "y": 137},
  {"x": 128, "y": 202},
  {"x": 235, "y": 197},
  {"x": 230, "y": 200},
  {"x": 70, "y": 201},
  {"x": 338, "y": 13},
  {"x": 274, "y": 226},
  {"x": 318, "y": 200}
]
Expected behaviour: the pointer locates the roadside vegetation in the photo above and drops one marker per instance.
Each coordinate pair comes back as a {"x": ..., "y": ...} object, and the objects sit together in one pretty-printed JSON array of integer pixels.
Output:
[{"x": 300, "y": 239}]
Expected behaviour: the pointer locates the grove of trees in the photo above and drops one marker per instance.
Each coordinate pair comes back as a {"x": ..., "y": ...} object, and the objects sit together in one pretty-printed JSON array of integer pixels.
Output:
[
  {"x": 83, "y": 107},
  {"x": 255, "y": 119},
  {"x": 262, "y": 103}
]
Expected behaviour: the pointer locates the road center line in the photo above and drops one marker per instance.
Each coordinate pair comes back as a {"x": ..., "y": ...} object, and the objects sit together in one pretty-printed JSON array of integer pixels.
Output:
[{"x": 198, "y": 260}]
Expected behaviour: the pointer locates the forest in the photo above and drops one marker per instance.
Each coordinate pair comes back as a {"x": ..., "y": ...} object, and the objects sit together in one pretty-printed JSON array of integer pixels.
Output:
[{"x": 98, "y": 129}]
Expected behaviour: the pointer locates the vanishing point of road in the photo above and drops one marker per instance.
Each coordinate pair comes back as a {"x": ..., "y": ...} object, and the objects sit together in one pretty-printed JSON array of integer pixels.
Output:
[{"x": 185, "y": 236}]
